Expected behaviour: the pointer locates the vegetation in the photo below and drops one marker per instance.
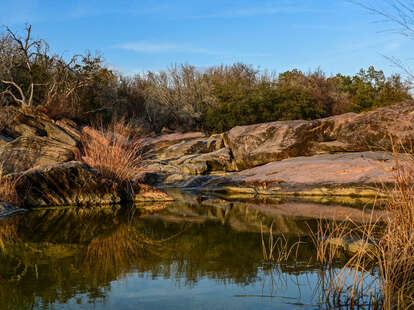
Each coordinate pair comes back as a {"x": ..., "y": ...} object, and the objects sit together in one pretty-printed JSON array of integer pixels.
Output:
[
  {"x": 387, "y": 244},
  {"x": 112, "y": 151},
  {"x": 8, "y": 188},
  {"x": 182, "y": 97}
]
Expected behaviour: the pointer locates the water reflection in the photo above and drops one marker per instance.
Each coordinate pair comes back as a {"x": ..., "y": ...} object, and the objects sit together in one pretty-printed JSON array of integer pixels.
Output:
[{"x": 189, "y": 255}]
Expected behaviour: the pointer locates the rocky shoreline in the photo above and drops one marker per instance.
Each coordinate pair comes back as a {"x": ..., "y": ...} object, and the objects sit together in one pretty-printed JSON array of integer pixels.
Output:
[{"x": 344, "y": 155}]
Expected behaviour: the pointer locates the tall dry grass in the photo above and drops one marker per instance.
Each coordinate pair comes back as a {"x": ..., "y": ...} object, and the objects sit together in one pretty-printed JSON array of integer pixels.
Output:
[
  {"x": 385, "y": 246},
  {"x": 8, "y": 191},
  {"x": 115, "y": 151},
  {"x": 277, "y": 249},
  {"x": 396, "y": 246}
]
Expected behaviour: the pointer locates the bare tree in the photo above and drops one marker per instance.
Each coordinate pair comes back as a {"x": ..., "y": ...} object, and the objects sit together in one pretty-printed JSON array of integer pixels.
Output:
[
  {"x": 30, "y": 75},
  {"x": 400, "y": 14},
  {"x": 24, "y": 51}
]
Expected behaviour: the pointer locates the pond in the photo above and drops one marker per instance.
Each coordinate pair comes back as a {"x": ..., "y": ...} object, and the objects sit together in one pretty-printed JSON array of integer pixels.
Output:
[{"x": 191, "y": 254}]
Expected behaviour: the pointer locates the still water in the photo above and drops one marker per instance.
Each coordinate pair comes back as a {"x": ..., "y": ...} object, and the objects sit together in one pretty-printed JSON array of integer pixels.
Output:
[{"x": 189, "y": 255}]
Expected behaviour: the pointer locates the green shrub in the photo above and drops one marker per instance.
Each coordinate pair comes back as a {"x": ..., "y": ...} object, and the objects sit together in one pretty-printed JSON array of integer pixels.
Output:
[{"x": 183, "y": 97}]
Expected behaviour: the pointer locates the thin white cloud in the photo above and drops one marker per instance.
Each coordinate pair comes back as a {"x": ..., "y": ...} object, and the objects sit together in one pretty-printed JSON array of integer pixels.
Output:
[{"x": 146, "y": 47}]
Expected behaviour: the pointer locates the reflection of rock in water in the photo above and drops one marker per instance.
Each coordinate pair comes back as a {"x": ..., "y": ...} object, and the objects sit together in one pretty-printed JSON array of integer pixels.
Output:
[
  {"x": 53, "y": 255},
  {"x": 289, "y": 216}
]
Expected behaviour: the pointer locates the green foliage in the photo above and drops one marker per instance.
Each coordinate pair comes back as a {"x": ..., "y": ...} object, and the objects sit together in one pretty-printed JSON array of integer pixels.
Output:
[
  {"x": 262, "y": 104},
  {"x": 371, "y": 89},
  {"x": 183, "y": 97},
  {"x": 295, "y": 95}
]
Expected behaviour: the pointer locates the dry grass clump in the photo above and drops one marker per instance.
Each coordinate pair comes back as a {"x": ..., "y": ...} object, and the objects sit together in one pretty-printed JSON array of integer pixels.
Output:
[
  {"x": 350, "y": 287},
  {"x": 396, "y": 247},
  {"x": 386, "y": 246},
  {"x": 8, "y": 191},
  {"x": 277, "y": 250},
  {"x": 114, "y": 151}
]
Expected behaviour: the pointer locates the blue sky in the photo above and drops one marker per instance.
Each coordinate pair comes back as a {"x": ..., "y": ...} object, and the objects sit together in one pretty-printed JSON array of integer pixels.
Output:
[{"x": 277, "y": 35}]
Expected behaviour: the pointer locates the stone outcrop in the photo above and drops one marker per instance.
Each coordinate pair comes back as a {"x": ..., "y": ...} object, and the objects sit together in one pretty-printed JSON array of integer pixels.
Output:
[
  {"x": 76, "y": 184},
  {"x": 375, "y": 130},
  {"x": 26, "y": 152},
  {"x": 23, "y": 122},
  {"x": 37, "y": 153},
  {"x": 188, "y": 153},
  {"x": 31, "y": 139},
  {"x": 339, "y": 155},
  {"x": 359, "y": 174}
]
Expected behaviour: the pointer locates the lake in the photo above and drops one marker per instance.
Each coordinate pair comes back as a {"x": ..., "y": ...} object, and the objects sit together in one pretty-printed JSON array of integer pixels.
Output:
[{"x": 195, "y": 253}]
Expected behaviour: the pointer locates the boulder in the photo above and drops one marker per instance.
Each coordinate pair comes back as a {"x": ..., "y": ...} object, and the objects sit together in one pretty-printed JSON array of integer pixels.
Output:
[
  {"x": 27, "y": 152},
  {"x": 179, "y": 149},
  {"x": 174, "y": 137},
  {"x": 183, "y": 155},
  {"x": 219, "y": 160},
  {"x": 70, "y": 128},
  {"x": 259, "y": 144},
  {"x": 76, "y": 184},
  {"x": 29, "y": 138},
  {"x": 162, "y": 148},
  {"x": 24, "y": 122},
  {"x": 355, "y": 174}
]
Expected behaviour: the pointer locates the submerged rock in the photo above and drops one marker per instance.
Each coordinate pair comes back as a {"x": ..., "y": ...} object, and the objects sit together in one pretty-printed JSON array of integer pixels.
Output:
[{"x": 352, "y": 245}]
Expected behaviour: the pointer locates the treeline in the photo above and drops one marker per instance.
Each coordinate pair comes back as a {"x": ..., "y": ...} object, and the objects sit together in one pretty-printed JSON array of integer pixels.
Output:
[{"x": 182, "y": 97}]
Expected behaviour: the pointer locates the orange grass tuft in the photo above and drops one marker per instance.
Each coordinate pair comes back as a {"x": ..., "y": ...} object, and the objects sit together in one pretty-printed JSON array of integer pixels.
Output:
[{"x": 114, "y": 152}]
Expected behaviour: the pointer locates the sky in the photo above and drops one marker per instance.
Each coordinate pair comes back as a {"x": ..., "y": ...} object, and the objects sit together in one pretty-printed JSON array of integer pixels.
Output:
[{"x": 139, "y": 35}]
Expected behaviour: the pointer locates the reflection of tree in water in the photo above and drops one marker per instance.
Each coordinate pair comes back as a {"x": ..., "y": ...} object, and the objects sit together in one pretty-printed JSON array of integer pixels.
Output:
[
  {"x": 46, "y": 263},
  {"x": 64, "y": 253}
]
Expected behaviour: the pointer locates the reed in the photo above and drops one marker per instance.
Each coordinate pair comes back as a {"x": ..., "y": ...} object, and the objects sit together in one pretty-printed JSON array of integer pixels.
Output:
[
  {"x": 277, "y": 250},
  {"x": 396, "y": 247},
  {"x": 386, "y": 246}
]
